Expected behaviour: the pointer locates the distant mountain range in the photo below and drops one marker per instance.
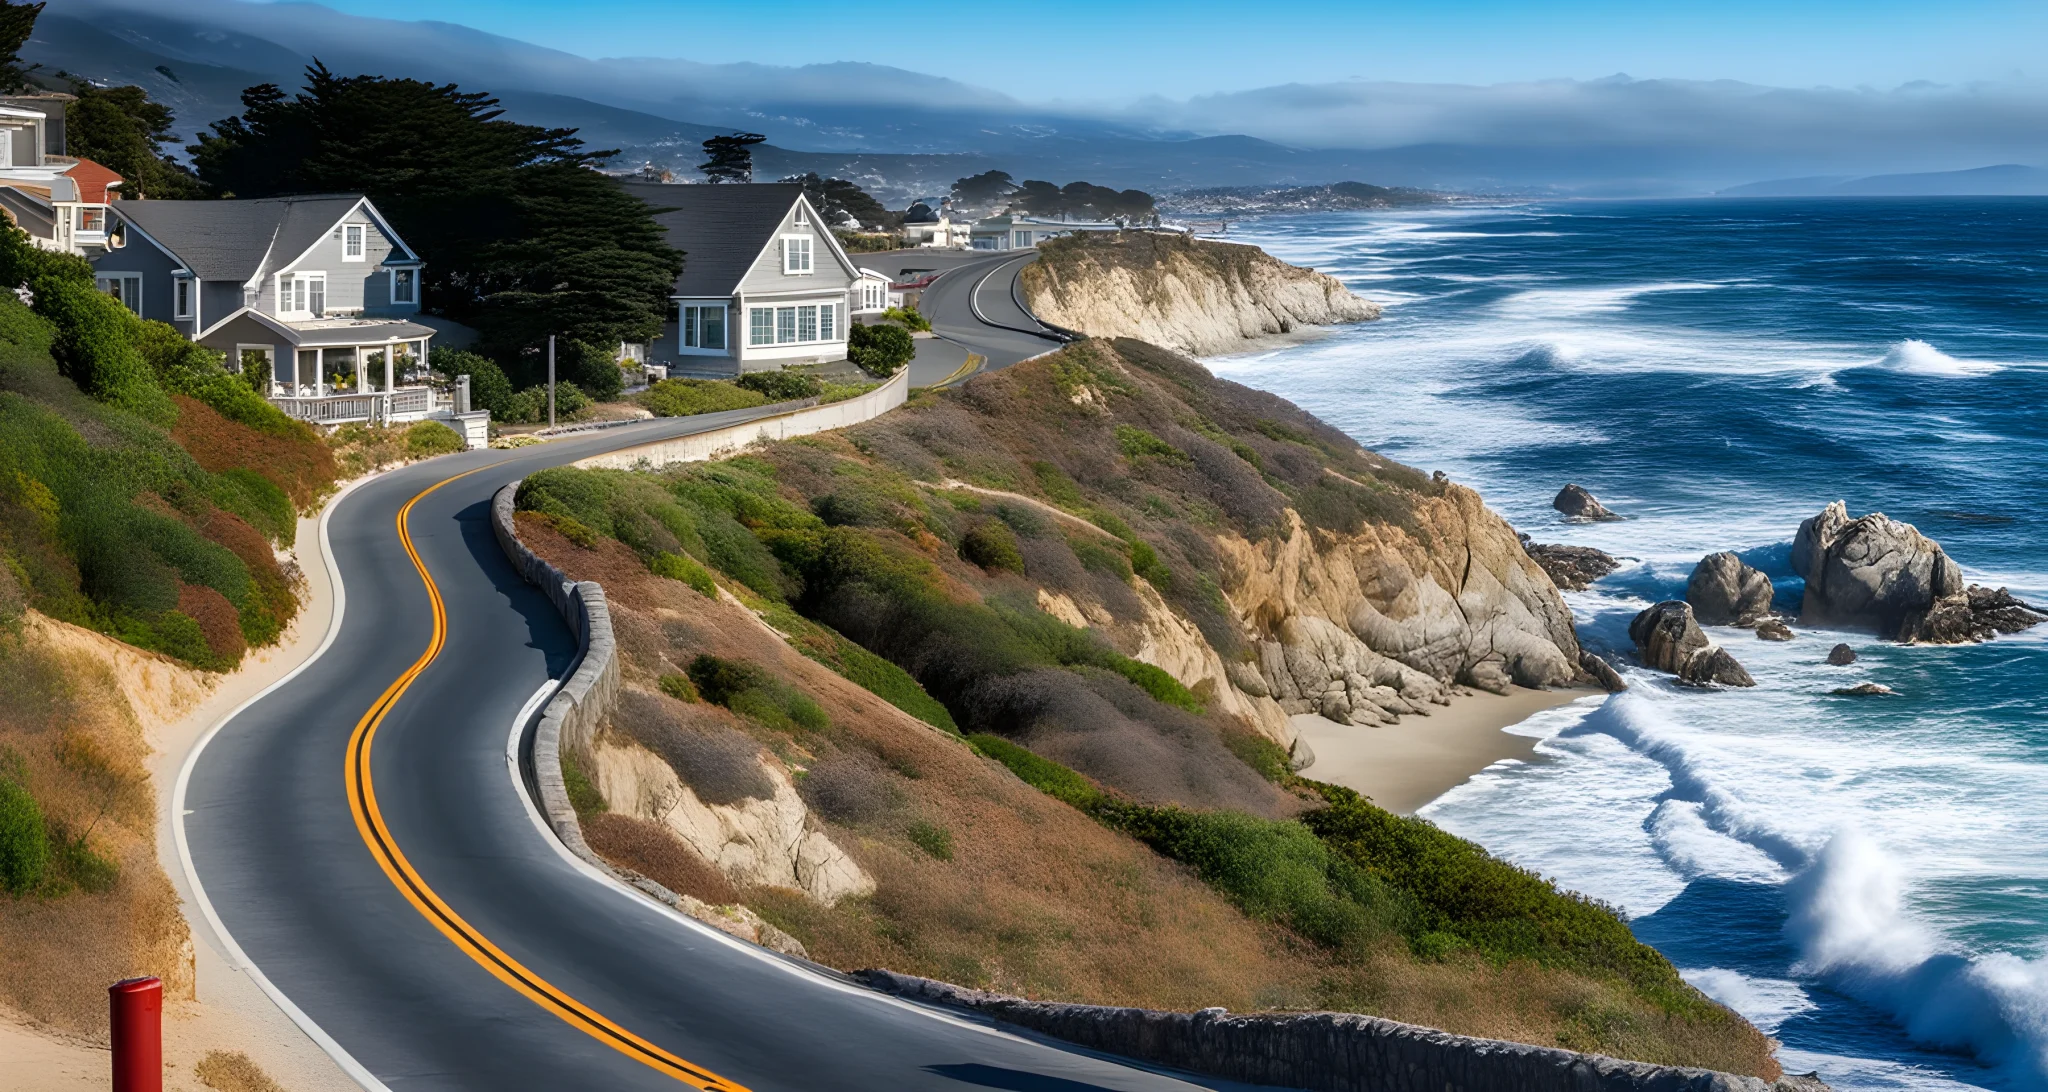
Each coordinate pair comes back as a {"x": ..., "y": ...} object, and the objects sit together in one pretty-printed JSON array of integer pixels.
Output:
[
  {"x": 903, "y": 134},
  {"x": 2005, "y": 180}
]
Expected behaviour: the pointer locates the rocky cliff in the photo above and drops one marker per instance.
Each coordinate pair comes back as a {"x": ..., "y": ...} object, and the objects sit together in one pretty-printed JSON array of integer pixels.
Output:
[{"x": 1194, "y": 295}]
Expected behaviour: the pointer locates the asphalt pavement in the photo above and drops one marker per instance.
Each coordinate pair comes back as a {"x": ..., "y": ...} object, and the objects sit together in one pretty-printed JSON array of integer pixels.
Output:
[{"x": 279, "y": 857}]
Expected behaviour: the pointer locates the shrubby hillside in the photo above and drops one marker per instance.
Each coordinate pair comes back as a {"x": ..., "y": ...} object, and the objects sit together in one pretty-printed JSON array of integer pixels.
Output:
[
  {"x": 995, "y": 689},
  {"x": 145, "y": 496}
]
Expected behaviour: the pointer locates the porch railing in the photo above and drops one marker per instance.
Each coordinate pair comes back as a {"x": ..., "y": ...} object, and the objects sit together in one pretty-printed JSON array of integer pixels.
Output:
[{"x": 372, "y": 406}]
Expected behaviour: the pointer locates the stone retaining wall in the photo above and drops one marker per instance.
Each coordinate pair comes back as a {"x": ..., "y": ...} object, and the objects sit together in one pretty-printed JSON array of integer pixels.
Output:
[
  {"x": 719, "y": 443},
  {"x": 571, "y": 717},
  {"x": 1327, "y": 1051}
]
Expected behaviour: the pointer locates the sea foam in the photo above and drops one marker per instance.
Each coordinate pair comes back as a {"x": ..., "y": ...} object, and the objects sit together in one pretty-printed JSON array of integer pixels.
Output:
[{"x": 1915, "y": 357}]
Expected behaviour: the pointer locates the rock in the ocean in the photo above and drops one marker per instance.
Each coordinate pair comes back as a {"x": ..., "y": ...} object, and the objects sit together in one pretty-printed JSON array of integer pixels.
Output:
[
  {"x": 1879, "y": 574},
  {"x": 1863, "y": 690},
  {"x": 1668, "y": 639},
  {"x": 1841, "y": 655},
  {"x": 1602, "y": 672},
  {"x": 1771, "y": 629},
  {"x": 1725, "y": 592},
  {"x": 1577, "y": 504},
  {"x": 1570, "y": 567}
]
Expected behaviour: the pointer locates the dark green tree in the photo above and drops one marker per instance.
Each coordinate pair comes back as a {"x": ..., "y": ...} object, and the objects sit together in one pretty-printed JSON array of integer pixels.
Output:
[
  {"x": 121, "y": 129},
  {"x": 521, "y": 238},
  {"x": 17, "y": 22},
  {"x": 1038, "y": 198},
  {"x": 836, "y": 199},
  {"x": 983, "y": 190},
  {"x": 730, "y": 158}
]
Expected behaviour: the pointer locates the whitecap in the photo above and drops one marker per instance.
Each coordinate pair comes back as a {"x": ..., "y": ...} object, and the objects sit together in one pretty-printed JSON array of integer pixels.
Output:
[
  {"x": 1915, "y": 357},
  {"x": 1765, "y": 1002}
]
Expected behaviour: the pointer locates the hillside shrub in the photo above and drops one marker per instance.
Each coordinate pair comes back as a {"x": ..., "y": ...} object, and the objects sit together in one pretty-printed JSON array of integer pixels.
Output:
[
  {"x": 780, "y": 386},
  {"x": 24, "y": 842},
  {"x": 879, "y": 350},
  {"x": 850, "y": 787},
  {"x": 993, "y": 546},
  {"x": 425, "y": 439},
  {"x": 753, "y": 693},
  {"x": 1136, "y": 443},
  {"x": 1146, "y": 563},
  {"x": 685, "y": 569},
  {"x": 689, "y": 397},
  {"x": 935, "y": 840},
  {"x": 721, "y": 764},
  {"x": 908, "y": 318},
  {"x": 678, "y": 687}
]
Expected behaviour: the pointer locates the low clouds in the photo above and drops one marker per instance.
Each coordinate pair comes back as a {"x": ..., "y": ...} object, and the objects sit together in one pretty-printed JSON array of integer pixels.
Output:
[{"x": 1720, "y": 128}]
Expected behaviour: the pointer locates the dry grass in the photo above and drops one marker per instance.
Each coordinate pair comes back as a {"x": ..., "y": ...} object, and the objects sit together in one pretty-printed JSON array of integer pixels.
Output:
[
  {"x": 1040, "y": 901},
  {"x": 301, "y": 464},
  {"x": 648, "y": 848},
  {"x": 232, "y": 1071},
  {"x": 74, "y": 742}
]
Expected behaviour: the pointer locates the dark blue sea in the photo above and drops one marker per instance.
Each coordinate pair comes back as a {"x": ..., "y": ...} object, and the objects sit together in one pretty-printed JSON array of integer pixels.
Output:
[{"x": 1865, "y": 878}]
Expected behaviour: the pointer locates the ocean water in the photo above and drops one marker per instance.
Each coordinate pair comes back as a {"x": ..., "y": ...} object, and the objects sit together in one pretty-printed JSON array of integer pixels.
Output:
[{"x": 1864, "y": 878}]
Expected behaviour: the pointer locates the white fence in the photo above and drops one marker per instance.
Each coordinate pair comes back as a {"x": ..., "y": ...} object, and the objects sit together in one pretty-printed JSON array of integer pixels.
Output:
[{"x": 376, "y": 407}]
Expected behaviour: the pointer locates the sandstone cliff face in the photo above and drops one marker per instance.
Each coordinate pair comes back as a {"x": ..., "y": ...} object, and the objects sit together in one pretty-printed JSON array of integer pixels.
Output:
[
  {"x": 1198, "y": 296},
  {"x": 1366, "y": 627},
  {"x": 757, "y": 841}
]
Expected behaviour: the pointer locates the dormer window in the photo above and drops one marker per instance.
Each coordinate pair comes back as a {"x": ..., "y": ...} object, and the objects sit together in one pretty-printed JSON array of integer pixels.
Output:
[
  {"x": 796, "y": 254},
  {"x": 404, "y": 288},
  {"x": 302, "y": 295},
  {"x": 352, "y": 242}
]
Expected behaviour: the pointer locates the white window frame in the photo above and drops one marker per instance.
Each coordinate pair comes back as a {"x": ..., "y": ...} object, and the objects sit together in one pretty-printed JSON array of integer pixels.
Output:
[
  {"x": 791, "y": 253},
  {"x": 288, "y": 294},
  {"x": 357, "y": 235},
  {"x": 182, "y": 291},
  {"x": 828, "y": 322},
  {"x": 785, "y": 325},
  {"x": 411, "y": 272},
  {"x": 130, "y": 287},
  {"x": 807, "y": 322},
  {"x": 760, "y": 326}
]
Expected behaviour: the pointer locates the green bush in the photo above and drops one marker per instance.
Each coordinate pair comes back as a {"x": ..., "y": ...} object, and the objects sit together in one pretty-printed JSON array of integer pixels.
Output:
[
  {"x": 879, "y": 350},
  {"x": 782, "y": 386},
  {"x": 1146, "y": 563},
  {"x": 73, "y": 863},
  {"x": 689, "y": 397},
  {"x": 993, "y": 546},
  {"x": 908, "y": 318},
  {"x": 583, "y": 795},
  {"x": 1043, "y": 774},
  {"x": 428, "y": 438},
  {"x": 885, "y": 680},
  {"x": 489, "y": 389},
  {"x": 678, "y": 687},
  {"x": 1136, "y": 443},
  {"x": 935, "y": 840},
  {"x": 679, "y": 567},
  {"x": 24, "y": 843},
  {"x": 1163, "y": 687},
  {"x": 753, "y": 693}
]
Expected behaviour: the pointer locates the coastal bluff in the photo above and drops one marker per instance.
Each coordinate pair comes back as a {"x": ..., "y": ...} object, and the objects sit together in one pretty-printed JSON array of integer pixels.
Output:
[{"x": 1196, "y": 296}]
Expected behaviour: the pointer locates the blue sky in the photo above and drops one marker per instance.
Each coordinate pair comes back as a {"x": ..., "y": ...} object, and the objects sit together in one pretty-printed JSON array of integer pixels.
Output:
[{"x": 1077, "y": 50}]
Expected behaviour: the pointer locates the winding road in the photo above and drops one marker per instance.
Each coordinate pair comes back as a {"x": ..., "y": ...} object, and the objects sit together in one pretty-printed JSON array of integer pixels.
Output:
[
  {"x": 400, "y": 733},
  {"x": 973, "y": 309}
]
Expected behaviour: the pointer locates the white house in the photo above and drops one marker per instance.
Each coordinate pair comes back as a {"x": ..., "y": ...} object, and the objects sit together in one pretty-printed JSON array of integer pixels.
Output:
[
  {"x": 924, "y": 226},
  {"x": 1011, "y": 232},
  {"x": 764, "y": 283}
]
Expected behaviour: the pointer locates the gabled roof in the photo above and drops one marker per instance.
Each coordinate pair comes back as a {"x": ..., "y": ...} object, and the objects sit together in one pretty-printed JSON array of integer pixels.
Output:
[
  {"x": 721, "y": 229},
  {"x": 93, "y": 181},
  {"x": 235, "y": 240}
]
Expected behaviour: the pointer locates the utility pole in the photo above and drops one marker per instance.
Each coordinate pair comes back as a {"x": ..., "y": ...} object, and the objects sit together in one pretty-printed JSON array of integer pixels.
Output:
[{"x": 551, "y": 380}]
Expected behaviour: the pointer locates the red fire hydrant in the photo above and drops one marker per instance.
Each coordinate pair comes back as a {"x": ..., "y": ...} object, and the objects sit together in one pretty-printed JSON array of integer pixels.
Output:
[{"x": 138, "y": 1030}]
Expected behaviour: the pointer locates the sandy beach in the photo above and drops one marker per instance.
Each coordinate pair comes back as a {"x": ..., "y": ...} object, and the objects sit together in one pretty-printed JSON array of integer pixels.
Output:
[{"x": 1404, "y": 766}]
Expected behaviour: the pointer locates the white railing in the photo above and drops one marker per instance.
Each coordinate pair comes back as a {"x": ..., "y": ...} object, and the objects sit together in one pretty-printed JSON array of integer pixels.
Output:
[
  {"x": 405, "y": 403},
  {"x": 407, "y": 400}
]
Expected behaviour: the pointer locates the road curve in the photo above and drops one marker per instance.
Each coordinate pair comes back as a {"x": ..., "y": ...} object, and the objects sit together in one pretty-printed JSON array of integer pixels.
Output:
[
  {"x": 282, "y": 868},
  {"x": 972, "y": 309}
]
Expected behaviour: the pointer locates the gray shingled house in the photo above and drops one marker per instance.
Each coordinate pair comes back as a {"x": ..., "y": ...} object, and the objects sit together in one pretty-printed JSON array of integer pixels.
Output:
[
  {"x": 318, "y": 292},
  {"x": 764, "y": 283}
]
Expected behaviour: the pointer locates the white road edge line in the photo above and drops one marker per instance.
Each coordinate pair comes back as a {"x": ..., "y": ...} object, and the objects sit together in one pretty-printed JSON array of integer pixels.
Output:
[
  {"x": 356, "y": 1071},
  {"x": 641, "y": 898}
]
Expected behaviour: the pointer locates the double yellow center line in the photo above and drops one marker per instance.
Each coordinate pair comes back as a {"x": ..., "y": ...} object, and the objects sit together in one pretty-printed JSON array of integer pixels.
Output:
[{"x": 362, "y": 802}]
